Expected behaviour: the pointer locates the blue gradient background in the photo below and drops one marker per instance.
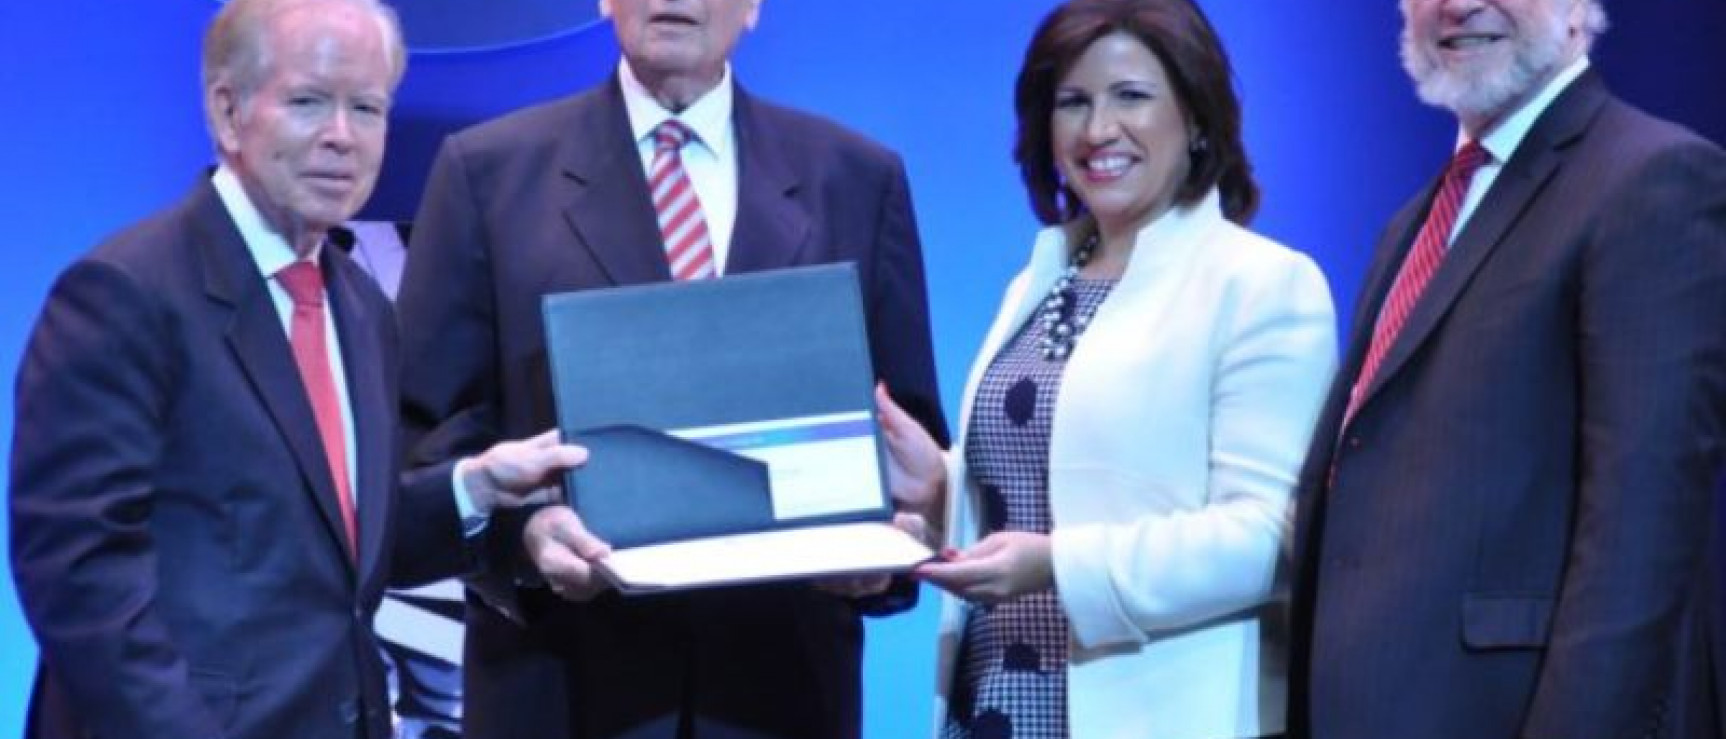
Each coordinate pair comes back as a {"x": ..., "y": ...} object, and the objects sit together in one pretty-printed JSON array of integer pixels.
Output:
[{"x": 102, "y": 125}]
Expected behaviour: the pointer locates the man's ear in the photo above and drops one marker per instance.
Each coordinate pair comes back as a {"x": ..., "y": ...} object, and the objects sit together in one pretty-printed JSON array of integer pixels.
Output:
[
  {"x": 1577, "y": 18},
  {"x": 752, "y": 15},
  {"x": 223, "y": 104}
]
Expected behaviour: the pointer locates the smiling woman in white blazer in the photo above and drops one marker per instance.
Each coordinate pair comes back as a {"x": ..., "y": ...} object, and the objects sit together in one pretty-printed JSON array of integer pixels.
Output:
[{"x": 1183, "y": 410}]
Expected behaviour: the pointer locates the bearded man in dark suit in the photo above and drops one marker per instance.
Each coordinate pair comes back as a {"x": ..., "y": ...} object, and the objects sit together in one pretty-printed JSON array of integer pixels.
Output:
[{"x": 1504, "y": 517}]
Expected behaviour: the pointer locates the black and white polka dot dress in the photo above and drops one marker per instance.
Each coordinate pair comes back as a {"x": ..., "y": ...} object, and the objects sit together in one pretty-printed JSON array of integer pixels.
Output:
[{"x": 1011, "y": 679}]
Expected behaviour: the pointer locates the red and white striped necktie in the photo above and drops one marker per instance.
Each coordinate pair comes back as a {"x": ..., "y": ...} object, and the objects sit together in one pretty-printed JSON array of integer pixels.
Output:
[{"x": 688, "y": 248}]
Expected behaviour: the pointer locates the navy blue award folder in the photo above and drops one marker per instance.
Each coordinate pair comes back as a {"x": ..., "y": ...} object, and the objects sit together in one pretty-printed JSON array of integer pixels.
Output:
[{"x": 730, "y": 425}]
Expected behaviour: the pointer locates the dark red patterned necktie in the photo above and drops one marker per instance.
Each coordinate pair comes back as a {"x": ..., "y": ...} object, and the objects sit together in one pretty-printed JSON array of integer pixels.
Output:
[{"x": 1418, "y": 267}]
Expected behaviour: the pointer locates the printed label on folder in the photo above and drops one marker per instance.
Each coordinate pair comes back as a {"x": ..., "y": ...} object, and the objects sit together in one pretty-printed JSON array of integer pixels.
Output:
[{"x": 817, "y": 465}]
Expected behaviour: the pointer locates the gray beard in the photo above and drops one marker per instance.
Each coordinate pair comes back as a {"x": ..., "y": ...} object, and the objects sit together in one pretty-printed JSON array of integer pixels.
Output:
[{"x": 1485, "y": 93}]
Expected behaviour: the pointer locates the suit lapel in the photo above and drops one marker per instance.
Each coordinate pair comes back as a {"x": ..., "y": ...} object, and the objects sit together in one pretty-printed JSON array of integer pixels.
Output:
[
  {"x": 1393, "y": 246},
  {"x": 609, "y": 209},
  {"x": 369, "y": 401},
  {"x": 772, "y": 227},
  {"x": 1536, "y": 159},
  {"x": 260, "y": 347}
]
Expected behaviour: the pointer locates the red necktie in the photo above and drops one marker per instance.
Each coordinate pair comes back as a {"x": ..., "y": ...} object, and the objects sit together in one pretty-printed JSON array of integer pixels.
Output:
[
  {"x": 305, "y": 285},
  {"x": 684, "y": 229},
  {"x": 1418, "y": 267}
]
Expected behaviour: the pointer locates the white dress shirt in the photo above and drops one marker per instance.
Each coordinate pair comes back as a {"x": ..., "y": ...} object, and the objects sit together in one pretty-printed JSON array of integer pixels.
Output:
[
  {"x": 1503, "y": 139},
  {"x": 710, "y": 157},
  {"x": 272, "y": 254}
]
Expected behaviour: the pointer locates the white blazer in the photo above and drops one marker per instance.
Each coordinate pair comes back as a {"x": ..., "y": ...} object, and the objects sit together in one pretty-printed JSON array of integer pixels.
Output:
[{"x": 1181, "y": 423}]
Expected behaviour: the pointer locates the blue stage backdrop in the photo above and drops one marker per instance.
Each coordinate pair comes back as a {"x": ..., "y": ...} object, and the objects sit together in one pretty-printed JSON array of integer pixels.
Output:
[{"x": 103, "y": 125}]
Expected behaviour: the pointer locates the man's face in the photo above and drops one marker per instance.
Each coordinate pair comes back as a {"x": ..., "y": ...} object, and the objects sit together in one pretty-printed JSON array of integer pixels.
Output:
[
  {"x": 687, "y": 39},
  {"x": 308, "y": 138},
  {"x": 1481, "y": 59}
]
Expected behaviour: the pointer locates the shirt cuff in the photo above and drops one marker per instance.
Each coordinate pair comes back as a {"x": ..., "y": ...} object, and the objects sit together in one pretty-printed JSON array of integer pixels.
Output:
[{"x": 472, "y": 520}]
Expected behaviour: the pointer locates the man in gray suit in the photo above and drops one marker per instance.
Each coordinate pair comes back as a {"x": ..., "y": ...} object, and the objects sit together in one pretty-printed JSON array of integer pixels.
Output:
[
  {"x": 1505, "y": 512},
  {"x": 556, "y": 198}
]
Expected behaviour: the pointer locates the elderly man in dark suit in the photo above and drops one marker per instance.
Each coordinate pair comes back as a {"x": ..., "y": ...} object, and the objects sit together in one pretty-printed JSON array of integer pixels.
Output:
[
  {"x": 556, "y": 198},
  {"x": 204, "y": 489},
  {"x": 1503, "y": 520}
]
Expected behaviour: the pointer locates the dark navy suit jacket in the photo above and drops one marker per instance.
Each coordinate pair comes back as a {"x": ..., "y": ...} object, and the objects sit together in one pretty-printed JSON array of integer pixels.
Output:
[
  {"x": 553, "y": 199},
  {"x": 175, "y": 533}
]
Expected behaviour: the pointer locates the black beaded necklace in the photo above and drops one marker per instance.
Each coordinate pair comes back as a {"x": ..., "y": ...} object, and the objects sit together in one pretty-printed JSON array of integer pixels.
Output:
[{"x": 1061, "y": 324}]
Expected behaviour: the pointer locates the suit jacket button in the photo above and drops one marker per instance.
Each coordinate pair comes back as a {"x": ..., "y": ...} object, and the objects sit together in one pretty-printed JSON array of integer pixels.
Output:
[
  {"x": 1354, "y": 442},
  {"x": 349, "y": 711}
]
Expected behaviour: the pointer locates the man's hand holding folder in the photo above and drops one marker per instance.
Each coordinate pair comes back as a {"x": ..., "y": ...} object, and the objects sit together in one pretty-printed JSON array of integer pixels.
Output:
[
  {"x": 566, "y": 553},
  {"x": 519, "y": 473}
]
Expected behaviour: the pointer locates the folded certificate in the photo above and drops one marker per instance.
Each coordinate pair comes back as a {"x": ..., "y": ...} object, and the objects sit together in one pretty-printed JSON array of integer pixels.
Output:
[{"x": 731, "y": 429}]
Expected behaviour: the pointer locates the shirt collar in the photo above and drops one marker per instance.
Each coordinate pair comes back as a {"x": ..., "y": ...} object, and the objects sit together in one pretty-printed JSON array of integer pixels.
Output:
[
  {"x": 709, "y": 116},
  {"x": 269, "y": 250},
  {"x": 1504, "y": 138}
]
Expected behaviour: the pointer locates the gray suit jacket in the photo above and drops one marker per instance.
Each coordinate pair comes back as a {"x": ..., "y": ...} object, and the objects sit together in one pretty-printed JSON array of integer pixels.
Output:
[{"x": 175, "y": 532}]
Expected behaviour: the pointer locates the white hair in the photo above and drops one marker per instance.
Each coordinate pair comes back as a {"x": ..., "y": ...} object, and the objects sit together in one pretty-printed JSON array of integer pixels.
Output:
[
  {"x": 236, "y": 54},
  {"x": 1594, "y": 23}
]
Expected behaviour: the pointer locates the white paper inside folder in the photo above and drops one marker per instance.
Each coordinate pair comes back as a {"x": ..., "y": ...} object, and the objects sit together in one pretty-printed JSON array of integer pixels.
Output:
[
  {"x": 818, "y": 465},
  {"x": 835, "y": 550}
]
